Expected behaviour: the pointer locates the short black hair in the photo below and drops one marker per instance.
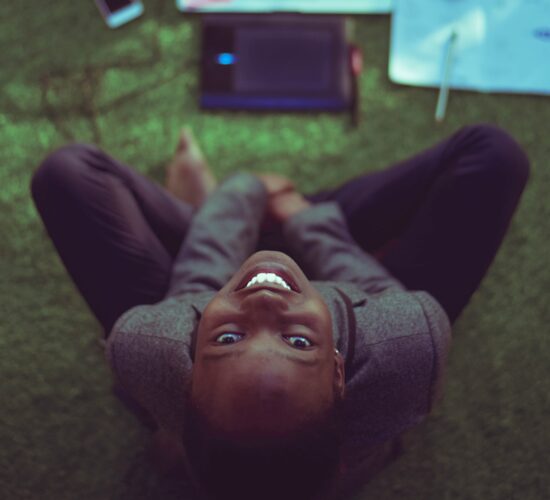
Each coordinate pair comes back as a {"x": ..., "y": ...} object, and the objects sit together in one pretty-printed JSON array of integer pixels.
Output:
[{"x": 303, "y": 465}]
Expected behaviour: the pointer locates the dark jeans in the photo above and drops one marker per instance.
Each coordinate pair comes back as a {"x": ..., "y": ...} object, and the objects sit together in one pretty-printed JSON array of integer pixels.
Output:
[{"x": 435, "y": 221}]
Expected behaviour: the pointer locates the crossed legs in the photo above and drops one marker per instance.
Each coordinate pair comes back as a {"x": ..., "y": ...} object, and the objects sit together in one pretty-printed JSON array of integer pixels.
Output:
[{"x": 435, "y": 220}]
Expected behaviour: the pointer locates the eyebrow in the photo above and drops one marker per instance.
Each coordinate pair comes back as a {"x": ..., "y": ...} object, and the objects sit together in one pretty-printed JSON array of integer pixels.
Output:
[{"x": 233, "y": 353}]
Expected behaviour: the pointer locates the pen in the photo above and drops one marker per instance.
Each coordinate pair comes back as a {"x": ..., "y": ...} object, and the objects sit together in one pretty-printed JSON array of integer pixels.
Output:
[{"x": 444, "y": 86}]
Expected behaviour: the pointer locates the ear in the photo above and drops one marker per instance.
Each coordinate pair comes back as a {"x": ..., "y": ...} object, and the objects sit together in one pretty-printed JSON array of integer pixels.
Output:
[{"x": 339, "y": 374}]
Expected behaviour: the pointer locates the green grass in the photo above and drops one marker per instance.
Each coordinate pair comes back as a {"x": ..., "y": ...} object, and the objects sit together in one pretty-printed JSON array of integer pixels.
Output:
[{"x": 66, "y": 77}]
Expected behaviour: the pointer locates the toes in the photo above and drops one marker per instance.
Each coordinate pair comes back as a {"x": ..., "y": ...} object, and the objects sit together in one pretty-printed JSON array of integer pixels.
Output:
[
  {"x": 188, "y": 150},
  {"x": 185, "y": 139}
]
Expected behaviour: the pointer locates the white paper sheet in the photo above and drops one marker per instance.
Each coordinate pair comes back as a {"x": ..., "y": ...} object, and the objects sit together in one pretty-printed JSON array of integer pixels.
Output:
[
  {"x": 305, "y": 6},
  {"x": 502, "y": 45}
]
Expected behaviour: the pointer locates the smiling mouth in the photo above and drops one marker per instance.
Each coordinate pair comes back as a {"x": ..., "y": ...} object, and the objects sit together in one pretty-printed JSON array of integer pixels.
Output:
[{"x": 269, "y": 277}]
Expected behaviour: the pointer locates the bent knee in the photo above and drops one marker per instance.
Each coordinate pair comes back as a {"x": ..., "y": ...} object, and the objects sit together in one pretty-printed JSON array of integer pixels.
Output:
[
  {"x": 61, "y": 168},
  {"x": 502, "y": 157}
]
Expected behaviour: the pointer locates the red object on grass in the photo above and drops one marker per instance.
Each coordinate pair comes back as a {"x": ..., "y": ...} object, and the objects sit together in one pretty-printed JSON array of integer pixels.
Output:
[{"x": 356, "y": 59}]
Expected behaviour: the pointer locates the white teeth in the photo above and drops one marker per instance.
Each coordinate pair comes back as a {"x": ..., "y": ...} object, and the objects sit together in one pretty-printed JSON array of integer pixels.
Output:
[{"x": 270, "y": 278}]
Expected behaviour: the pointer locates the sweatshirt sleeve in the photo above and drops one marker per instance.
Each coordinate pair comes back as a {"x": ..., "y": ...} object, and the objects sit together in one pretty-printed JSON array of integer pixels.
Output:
[
  {"x": 149, "y": 352},
  {"x": 222, "y": 235},
  {"x": 321, "y": 242},
  {"x": 397, "y": 377}
]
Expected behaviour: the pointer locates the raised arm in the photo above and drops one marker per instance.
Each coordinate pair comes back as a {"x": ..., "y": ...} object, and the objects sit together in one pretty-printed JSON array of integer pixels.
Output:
[
  {"x": 319, "y": 238},
  {"x": 223, "y": 233}
]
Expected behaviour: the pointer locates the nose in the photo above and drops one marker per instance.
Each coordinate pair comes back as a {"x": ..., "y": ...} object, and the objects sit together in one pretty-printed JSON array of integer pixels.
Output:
[{"x": 264, "y": 301}]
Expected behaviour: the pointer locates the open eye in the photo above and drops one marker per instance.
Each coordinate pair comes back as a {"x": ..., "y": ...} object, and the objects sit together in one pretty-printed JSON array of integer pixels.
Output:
[
  {"x": 228, "y": 336},
  {"x": 300, "y": 341}
]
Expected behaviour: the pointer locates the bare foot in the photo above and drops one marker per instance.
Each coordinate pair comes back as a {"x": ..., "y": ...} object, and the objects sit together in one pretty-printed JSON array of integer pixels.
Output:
[{"x": 188, "y": 176}]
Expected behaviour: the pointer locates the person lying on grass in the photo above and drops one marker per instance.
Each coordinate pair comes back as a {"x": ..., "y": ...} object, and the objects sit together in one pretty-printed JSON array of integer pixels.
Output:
[{"x": 278, "y": 344}]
